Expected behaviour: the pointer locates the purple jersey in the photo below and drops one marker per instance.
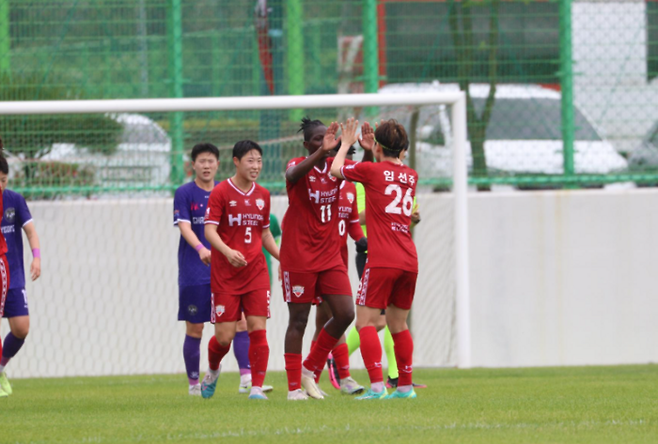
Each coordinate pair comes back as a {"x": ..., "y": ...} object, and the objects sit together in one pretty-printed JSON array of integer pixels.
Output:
[
  {"x": 190, "y": 204},
  {"x": 15, "y": 216}
]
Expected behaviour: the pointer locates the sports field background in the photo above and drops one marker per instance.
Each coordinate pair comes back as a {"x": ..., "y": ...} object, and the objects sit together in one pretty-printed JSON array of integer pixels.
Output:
[{"x": 548, "y": 405}]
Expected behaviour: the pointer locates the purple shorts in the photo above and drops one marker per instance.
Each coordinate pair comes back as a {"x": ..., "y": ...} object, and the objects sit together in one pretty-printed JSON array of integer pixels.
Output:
[
  {"x": 194, "y": 304},
  {"x": 16, "y": 303}
]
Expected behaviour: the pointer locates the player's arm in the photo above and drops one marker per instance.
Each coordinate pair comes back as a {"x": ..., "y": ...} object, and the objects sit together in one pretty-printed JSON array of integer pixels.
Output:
[
  {"x": 296, "y": 172},
  {"x": 415, "y": 216},
  {"x": 362, "y": 217},
  {"x": 348, "y": 135},
  {"x": 194, "y": 242},
  {"x": 234, "y": 257},
  {"x": 269, "y": 243},
  {"x": 33, "y": 240}
]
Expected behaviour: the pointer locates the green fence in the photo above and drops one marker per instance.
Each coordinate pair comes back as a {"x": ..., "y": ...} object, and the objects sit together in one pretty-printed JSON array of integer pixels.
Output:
[{"x": 562, "y": 94}]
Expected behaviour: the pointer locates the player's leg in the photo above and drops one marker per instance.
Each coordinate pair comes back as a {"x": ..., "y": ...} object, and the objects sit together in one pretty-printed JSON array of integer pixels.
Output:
[
  {"x": 4, "y": 285},
  {"x": 336, "y": 291},
  {"x": 396, "y": 318},
  {"x": 225, "y": 315},
  {"x": 256, "y": 306},
  {"x": 353, "y": 340},
  {"x": 322, "y": 316},
  {"x": 297, "y": 320},
  {"x": 241, "y": 352},
  {"x": 17, "y": 313},
  {"x": 193, "y": 308},
  {"x": 298, "y": 292}
]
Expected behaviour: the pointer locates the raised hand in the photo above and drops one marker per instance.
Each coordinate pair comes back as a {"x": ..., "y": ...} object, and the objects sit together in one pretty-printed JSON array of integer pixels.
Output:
[
  {"x": 348, "y": 131},
  {"x": 367, "y": 140},
  {"x": 329, "y": 142}
]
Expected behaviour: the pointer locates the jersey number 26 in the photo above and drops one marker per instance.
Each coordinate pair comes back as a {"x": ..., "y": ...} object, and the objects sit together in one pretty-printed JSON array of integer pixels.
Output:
[{"x": 407, "y": 201}]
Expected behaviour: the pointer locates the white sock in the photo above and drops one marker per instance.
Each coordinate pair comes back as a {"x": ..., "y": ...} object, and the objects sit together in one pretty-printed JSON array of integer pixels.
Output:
[
  {"x": 377, "y": 387},
  {"x": 256, "y": 391},
  {"x": 214, "y": 373},
  {"x": 245, "y": 379},
  {"x": 307, "y": 372},
  {"x": 2, "y": 368}
]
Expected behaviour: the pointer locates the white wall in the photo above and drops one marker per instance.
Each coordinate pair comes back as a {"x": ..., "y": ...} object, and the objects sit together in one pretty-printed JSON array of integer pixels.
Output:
[{"x": 557, "y": 278}]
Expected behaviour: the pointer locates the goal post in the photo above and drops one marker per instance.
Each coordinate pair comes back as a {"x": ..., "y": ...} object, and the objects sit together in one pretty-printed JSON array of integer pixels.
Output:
[{"x": 455, "y": 100}]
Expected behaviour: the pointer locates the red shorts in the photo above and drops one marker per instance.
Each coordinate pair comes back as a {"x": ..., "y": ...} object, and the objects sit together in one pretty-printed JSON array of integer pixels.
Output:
[
  {"x": 302, "y": 288},
  {"x": 4, "y": 282},
  {"x": 381, "y": 287},
  {"x": 229, "y": 307}
]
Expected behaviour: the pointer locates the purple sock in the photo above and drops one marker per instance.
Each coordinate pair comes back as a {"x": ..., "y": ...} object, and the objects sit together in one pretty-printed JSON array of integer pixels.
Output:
[
  {"x": 10, "y": 347},
  {"x": 192, "y": 356},
  {"x": 241, "y": 350}
]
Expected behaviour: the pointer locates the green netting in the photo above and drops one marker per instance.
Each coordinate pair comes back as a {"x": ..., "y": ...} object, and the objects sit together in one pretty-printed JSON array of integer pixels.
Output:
[{"x": 544, "y": 79}]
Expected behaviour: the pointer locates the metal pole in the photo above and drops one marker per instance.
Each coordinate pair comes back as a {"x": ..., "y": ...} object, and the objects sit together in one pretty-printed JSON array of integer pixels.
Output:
[
  {"x": 176, "y": 77},
  {"x": 295, "y": 46},
  {"x": 5, "y": 39},
  {"x": 460, "y": 192},
  {"x": 370, "y": 51},
  {"x": 566, "y": 77}
]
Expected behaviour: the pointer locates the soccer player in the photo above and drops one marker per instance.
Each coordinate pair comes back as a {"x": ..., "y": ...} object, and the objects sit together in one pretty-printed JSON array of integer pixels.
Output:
[
  {"x": 389, "y": 279},
  {"x": 190, "y": 202},
  {"x": 237, "y": 227},
  {"x": 348, "y": 222},
  {"x": 310, "y": 258},
  {"x": 13, "y": 302}
]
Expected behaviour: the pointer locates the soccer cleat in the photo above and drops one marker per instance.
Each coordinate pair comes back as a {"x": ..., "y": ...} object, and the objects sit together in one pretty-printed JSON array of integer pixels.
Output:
[
  {"x": 244, "y": 389},
  {"x": 209, "y": 384},
  {"x": 311, "y": 387},
  {"x": 334, "y": 377},
  {"x": 5, "y": 386},
  {"x": 411, "y": 394},
  {"x": 297, "y": 395},
  {"x": 349, "y": 386},
  {"x": 3, "y": 394},
  {"x": 393, "y": 383},
  {"x": 195, "y": 390},
  {"x": 370, "y": 394},
  {"x": 257, "y": 393}
]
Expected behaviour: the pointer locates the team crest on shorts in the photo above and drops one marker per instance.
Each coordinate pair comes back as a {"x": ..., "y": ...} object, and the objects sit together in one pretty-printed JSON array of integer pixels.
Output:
[
  {"x": 260, "y": 203},
  {"x": 350, "y": 197},
  {"x": 192, "y": 309},
  {"x": 219, "y": 310},
  {"x": 298, "y": 290}
]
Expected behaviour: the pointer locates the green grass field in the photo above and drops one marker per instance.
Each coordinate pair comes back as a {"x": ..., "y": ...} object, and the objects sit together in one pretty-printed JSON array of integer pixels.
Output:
[{"x": 553, "y": 405}]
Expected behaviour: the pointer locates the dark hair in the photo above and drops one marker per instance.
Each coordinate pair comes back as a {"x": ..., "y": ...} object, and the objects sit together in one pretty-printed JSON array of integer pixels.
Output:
[
  {"x": 4, "y": 167},
  {"x": 350, "y": 152},
  {"x": 204, "y": 148},
  {"x": 244, "y": 146},
  {"x": 307, "y": 126},
  {"x": 392, "y": 137}
]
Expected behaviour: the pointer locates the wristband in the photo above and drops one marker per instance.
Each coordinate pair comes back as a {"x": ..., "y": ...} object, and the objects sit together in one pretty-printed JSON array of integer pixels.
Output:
[
  {"x": 199, "y": 247},
  {"x": 36, "y": 253}
]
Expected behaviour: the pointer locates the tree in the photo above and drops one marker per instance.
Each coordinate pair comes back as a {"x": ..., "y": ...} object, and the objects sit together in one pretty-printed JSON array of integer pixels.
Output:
[
  {"x": 461, "y": 27},
  {"x": 32, "y": 137}
]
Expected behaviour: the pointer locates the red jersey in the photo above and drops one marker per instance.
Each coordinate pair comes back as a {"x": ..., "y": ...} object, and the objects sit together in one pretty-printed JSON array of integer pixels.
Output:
[
  {"x": 3, "y": 242},
  {"x": 310, "y": 241},
  {"x": 390, "y": 190},
  {"x": 240, "y": 218},
  {"x": 348, "y": 217}
]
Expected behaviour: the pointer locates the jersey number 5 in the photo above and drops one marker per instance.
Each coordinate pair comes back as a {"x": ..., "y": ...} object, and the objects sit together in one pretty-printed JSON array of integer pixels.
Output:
[
  {"x": 247, "y": 235},
  {"x": 407, "y": 202}
]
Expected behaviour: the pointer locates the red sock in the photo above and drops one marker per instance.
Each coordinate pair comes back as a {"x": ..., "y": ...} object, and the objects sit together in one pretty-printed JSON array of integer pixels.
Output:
[
  {"x": 404, "y": 350},
  {"x": 342, "y": 357},
  {"x": 319, "y": 352},
  {"x": 317, "y": 372},
  {"x": 259, "y": 354},
  {"x": 371, "y": 350},
  {"x": 293, "y": 370},
  {"x": 215, "y": 353}
]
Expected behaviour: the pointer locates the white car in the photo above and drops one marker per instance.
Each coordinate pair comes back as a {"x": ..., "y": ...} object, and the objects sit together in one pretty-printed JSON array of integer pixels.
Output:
[{"x": 523, "y": 136}]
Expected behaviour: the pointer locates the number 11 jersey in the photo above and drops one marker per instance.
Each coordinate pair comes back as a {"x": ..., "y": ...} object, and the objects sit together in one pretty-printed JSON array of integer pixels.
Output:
[{"x": 390, "y": 191}]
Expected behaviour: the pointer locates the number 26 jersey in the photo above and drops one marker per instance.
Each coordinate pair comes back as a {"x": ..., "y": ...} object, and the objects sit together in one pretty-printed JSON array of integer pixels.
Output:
[{"x": 390, "y": 191}]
